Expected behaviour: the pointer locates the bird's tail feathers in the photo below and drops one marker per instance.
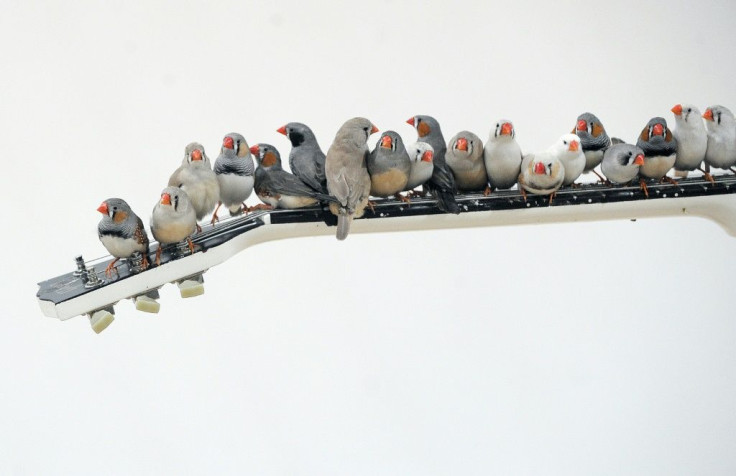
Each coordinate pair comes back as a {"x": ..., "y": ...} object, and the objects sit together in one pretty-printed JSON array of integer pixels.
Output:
[
  {"x": 343, "y": 225},
  {"x": 446, "y": 201}
]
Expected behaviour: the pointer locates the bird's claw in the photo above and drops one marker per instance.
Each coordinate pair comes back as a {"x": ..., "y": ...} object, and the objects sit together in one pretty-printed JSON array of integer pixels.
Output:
[
  {"x": 110, "y": 268},
  {"x": 400, "y": 197},
  {"x": 600, "y": 177},
  {"x": 260, "y": 206}
]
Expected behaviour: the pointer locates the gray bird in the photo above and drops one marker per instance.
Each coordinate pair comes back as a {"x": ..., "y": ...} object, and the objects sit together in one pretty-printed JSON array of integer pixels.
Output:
[
  {"x": 692, "y": 140},
  {"x": 464, "y": 156},
  {"x": 306, "y": 159},
  {"x": 121, "y": 232},
  {"x": 621, "y": 163},
  {"x": 721, "y": 150},
  {"x": 442, "y": 183},
  {"x": 347, "y": 176},
  {"x": 420, "y": 156},
  {"x": 502, "y": 156},
  {"x": 660, "y": 147},
  {"x": 173, "y": 219},
  {"x": 389, "y": 166},
  {"x": 593, "y": 139},
  {"x": 276, "y": 187},
  {"x": 195, "y": 176},
  {"x": 234, "y": 169},
  {"x": 541, "y": 174}
]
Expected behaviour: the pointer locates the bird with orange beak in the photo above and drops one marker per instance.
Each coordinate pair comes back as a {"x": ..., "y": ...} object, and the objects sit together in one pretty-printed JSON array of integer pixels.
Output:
[
  {"x": 442, "y": 184},
  {"x": 464, "y": 156},
  {"x": 306, "y": 159},
  {"x": 195, "y": 176},
  {"x": 389, "y": 166},
  {"x": 660, "y": 149},
  {"x": 502, "y": 156},
  {"x": 541, "y": 174},
  {"x": 234, "y": 169},
  {"x": 568, "y": 150},
  {"x": 121, "y": 232},
  {"x": 173, "y": 219},
  {"x": 621, "y": 163},
  {"x": 721, "y": 126},
  {"x": 421, "y": 157},
  {"x": 593, "y": 139},
  {"x": 692, "y": 140}
]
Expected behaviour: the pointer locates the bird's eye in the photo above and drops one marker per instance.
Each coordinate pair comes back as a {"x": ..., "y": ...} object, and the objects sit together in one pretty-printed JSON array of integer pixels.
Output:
[
  {"x": 689, "y": 110},
  {"x": 114, "y": 208},
  {"x": 630, "y": 154},
  {"x": 564, "y": 142}
]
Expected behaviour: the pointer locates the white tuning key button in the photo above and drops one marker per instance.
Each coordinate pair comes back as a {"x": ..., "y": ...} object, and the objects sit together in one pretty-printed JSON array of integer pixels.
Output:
[
  {"x": 147, "y": 304},
  {"x": 189, "y": 288},
  {"x": 99, "y": 320}
]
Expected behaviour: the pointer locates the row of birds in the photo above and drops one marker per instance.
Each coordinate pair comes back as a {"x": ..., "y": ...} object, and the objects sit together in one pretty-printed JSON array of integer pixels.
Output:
[{"x": 349, "y": 173}]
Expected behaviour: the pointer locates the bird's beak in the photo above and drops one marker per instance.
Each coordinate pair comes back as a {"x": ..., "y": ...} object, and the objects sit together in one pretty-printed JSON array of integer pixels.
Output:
[
  {"x": 196, "y": 154},
  {"x": 639, "y": 159},
  {"x": 708, "y": 114},
  {"x": 539, "y": 168},
  {"x": 281, "y": 130},
  {"x": 165, "y": 199},
  {"x": 427, "y": 156},
  {"x": 574, "y": 145},
  {"x": 228, "y": 143},
  {"x": 506, "y": 129},
  {"x": 386, "y": 142},
  {"x": 410, "y": 121},
  {"x": 657, "y": 130},
  {"x": 462, "y": 144},
  {"x": 677, "y": 109},
  {"x": 374, "y": 129},
  {"x": 582, "y": 125},
  {"x": 254, "y": 149},
  {"x": 103, "y": 208}
]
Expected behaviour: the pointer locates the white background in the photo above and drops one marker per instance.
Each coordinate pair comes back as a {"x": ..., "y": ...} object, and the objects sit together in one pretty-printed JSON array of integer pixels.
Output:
[{"x": 602, "y": 348}]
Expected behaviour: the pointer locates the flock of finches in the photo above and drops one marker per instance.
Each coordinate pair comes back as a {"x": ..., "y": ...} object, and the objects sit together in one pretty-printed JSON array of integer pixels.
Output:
[{"x": 350, "y": 173}]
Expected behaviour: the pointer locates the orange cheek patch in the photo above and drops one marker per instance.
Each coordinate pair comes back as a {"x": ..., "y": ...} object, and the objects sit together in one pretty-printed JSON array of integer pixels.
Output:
[
  {"x": 423, "y": 129},
  {"x": 597, "y": 130},
  {"x": 644, "y": 134},
  {"x": 668, "y": 135},
  {"x": 120, "y": 217},
  {"x": 269, "y": 159}
]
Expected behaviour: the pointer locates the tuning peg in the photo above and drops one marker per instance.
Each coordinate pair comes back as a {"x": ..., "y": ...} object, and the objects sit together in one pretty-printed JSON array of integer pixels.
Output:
[
  {"x": 191, "y": 286},
  {"x": 148, "y": 302},
  {"x": 101, "y": 318}
]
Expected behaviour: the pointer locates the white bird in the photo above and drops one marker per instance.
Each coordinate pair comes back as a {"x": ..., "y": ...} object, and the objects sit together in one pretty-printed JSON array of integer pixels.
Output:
[
  {"x": 721, "y": 150},
  {"x": 568, "y": 150},
  {"x": 542, "y": 174},
  {"x": 421, "y": 155},
  {"x": 692, "y": 140},
  {"x": 502, "y": 156}
]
